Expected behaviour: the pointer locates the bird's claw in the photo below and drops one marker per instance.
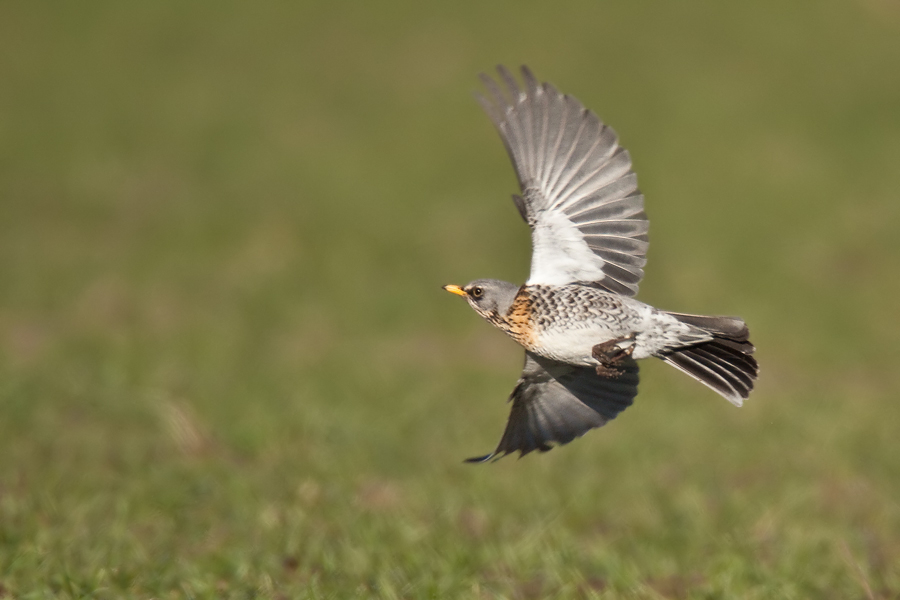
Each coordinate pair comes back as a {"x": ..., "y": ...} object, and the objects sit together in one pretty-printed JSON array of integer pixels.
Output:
[{"x": 611, "y": 354}]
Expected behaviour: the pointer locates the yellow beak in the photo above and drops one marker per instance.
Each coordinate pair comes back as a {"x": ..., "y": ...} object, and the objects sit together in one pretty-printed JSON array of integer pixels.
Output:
[{"x": 455, "y": 289}]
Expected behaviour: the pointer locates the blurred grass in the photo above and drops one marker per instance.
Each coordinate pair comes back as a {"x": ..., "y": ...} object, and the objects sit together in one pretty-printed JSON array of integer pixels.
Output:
[{"x": 227, "y": 368}]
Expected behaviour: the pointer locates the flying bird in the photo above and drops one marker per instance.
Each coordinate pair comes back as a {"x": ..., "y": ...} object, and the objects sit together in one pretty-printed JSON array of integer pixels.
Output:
[{"x": 576, "y": 316}]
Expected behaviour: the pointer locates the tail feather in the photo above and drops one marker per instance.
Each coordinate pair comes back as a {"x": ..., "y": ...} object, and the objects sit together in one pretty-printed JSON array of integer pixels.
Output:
[
  {"x": 731, "y": 328},
  {"x": 725, "y": 364}
]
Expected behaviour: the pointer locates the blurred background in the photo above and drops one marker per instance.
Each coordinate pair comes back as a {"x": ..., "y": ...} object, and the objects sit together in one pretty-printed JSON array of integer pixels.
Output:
[{"x": 227, "y": 368}]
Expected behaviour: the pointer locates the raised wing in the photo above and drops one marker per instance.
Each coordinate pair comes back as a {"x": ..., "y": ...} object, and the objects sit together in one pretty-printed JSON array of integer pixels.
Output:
[
  {"x": 553, "y": 403},
  {"x": 579, "y": 194}
]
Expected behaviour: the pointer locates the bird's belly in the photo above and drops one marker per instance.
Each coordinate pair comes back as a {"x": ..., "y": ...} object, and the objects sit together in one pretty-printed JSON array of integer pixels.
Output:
[{"x": 572, "y": 346}]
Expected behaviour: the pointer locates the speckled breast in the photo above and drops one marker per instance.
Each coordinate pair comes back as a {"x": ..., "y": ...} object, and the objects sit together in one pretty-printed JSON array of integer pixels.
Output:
[
  {"x": 519, "y": 320},
  {"x": 565, "y": 322}
]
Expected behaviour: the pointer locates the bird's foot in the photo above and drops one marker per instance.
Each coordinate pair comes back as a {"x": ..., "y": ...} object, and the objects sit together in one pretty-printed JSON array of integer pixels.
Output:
[{"x": 611, "y": 354}]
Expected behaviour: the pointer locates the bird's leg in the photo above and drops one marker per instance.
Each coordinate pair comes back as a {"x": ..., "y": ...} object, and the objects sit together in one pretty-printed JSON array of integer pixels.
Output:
[{"x": 611, "y": 354}]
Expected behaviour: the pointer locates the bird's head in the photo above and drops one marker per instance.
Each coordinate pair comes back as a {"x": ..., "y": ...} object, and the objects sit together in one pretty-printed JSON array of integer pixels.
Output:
[{"x": 490, "y": 298}]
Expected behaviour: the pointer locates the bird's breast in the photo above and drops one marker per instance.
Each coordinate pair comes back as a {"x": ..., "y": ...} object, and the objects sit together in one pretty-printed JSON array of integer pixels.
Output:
[
  {"x": 565, "y": 322},
  {"x": 519, "y": 322}
]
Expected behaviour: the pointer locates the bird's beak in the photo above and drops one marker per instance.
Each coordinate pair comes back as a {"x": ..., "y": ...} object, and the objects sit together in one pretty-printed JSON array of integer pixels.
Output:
[{"x": 455, "y": 289}]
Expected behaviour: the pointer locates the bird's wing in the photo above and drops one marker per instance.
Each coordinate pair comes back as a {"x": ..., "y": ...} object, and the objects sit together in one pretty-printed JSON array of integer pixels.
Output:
[
  {"x": 579, "y": 194},
  {"x": 553, "y": 403}
]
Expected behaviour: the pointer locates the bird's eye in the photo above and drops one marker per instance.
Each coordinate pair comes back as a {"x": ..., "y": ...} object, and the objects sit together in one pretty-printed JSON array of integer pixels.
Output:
[{"x": 477, "y": 292}]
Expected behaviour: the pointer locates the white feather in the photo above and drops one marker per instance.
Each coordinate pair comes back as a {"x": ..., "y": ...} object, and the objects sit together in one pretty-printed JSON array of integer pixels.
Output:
[{"x": 560, "y": 253}]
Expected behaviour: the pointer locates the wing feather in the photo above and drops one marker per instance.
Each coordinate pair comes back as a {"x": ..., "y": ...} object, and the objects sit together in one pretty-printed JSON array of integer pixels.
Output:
[
  {"x": 616, "y": 192},
  {"x": 622, "y": 258},
  {"x": 553, "y": 403},
  {"x": 579, "y": 194},
  {"x": 614, "y": 209}
]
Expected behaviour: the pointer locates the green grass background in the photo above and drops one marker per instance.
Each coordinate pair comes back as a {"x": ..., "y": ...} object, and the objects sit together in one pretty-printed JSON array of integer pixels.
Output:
[{"x": 227, "y": 369}]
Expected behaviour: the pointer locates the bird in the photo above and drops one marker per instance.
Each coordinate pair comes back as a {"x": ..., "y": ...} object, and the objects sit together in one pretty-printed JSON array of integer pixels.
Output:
[{"x": 576, "y": 316}]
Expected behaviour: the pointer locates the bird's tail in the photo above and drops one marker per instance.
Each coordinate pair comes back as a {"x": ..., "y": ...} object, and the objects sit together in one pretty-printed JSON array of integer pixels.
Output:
[{"x": 725, "y": 363}]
